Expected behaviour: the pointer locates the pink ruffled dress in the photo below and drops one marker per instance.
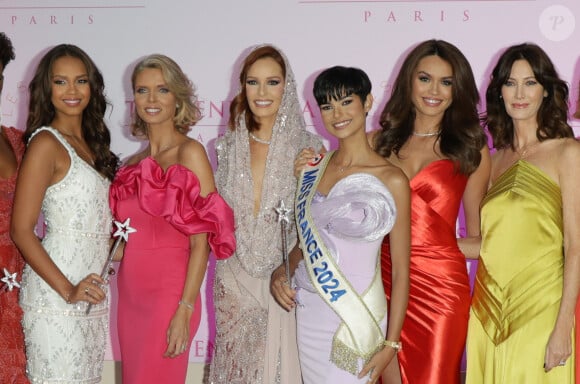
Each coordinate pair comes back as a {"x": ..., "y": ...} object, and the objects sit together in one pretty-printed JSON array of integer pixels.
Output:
[{"x": 165, "y": 208}]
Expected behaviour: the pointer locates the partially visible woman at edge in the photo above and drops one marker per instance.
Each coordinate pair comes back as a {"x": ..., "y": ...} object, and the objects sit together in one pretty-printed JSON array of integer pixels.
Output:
[
  {"x": 12, "y": 358},
  {"x": 66, "y": 173},
  {"x": 522, "y": 324},
  {"x": 168, "y": 192},
  {"x": 430, "y": 129},
  {"x": 256, "y": 337}
]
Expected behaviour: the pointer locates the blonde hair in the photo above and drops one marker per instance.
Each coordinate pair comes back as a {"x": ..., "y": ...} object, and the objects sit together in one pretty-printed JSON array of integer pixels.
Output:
[{"x": 187, "y": 113}]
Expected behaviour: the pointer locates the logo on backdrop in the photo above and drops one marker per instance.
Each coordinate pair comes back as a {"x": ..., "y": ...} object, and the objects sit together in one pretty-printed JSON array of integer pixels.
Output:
[
  {"x": 557, "y": 23},
  {"x": 215, "y": 114},
  {"x": 398, "y": 12},
  {"x": 60, "y": 13}
]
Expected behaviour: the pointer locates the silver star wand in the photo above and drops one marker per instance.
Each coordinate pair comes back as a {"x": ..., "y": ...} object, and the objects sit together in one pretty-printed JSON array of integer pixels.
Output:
[
  {"x": 283, "y": 219},
  {"x": 122, "y": 233},
  {"x": 9, "y": 281}
]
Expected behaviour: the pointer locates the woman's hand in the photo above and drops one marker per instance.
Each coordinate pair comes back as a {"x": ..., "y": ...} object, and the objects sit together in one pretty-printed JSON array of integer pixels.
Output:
[
  {"x": 559, "y": 349},
  {"x": 305, "y": 156},
  {"x": 280, "y": 288},
  {"x": 88, "y": 289},
  {"x": 178, "y": 332},
  {"x": 377, "y": 364}
]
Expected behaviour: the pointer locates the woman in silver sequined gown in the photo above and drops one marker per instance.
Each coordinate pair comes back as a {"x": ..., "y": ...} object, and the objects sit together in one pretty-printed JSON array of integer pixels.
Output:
[
  {"x": 66, "y": 173},
  {"x": 256, "y": 338}
]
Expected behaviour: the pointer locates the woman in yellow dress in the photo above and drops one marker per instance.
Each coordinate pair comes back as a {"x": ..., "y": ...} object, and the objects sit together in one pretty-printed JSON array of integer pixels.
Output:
[{"x": 521, "y": 328}]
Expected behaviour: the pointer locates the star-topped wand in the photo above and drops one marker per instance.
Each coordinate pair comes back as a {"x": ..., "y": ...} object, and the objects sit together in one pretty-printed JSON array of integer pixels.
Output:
[
  {"x": 122, "y": 233},
  {"x": 9, "y": 281},
  {"x": 283, "y": 219}
]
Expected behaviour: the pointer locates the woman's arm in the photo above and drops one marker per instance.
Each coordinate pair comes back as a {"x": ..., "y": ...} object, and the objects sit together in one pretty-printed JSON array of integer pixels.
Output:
[
  {"x": 474, "y": 192},
  {"x": 191, "y": 155},
  {"x": 400, "y": 245},
  {"x": 559, "y": 347},
  {"x": 45, "y": 163}
]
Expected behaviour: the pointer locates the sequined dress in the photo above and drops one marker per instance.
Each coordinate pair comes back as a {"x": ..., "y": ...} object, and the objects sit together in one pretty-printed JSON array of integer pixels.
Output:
[
  {"x": 352, "y": 219},
  {"x": 12, "y": 358},
  {"x": 255, "y": 338},
  {"x": 63, "y": 344}
]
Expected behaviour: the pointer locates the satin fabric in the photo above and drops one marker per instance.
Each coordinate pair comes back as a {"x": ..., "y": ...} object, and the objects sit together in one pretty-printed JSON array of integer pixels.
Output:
[
  {"x": 352, "y": 219},
  {"x": 165, "y": 208},
  {"x": 519, "y": 281},
  {"x": 435, "y": 326}
]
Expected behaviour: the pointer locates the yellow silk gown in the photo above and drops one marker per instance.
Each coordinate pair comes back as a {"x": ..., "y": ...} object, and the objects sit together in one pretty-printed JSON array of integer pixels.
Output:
[{"x": 519, "y": 281}]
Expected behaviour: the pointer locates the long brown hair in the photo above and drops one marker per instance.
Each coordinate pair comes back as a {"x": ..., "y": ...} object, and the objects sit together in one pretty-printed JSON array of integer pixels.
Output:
[
  {"x": 41, "y": 111},
  {"x": 461, "y": 138},
  {"x": 240, "y": 107},
  {"x": 553, "y": 113}
]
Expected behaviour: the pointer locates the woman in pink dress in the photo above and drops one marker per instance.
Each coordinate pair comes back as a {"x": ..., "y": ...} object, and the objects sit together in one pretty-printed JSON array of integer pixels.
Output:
[
  {"x": 12, "y": 358},
  {"x": 167, "y": 191}
]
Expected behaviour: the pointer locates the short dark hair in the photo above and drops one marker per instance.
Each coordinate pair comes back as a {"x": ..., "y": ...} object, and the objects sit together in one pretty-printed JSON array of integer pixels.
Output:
[{"x": 339, "y": 82}]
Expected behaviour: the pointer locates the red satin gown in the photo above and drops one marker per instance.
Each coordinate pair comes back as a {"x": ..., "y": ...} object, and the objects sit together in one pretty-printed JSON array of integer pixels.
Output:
[
  {"x": 435, "y": 326},
  {"x": 165, "y": 208}
]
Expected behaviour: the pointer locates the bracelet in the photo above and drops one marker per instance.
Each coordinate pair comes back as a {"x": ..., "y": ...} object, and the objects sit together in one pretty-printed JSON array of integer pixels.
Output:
[
  {"x": 396, "y": 345},
  {"x": 67, "y": 297},
  {"x": 187, "y": 305}
]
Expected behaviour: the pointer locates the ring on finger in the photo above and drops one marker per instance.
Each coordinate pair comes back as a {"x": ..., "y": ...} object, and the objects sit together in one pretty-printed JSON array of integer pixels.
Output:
[
  {"x": 87, "y": 289},
  {"x": 562, "y": 363}
]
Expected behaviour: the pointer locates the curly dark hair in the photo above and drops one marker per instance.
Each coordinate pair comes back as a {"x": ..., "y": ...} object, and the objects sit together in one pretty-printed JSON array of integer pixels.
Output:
[
  {"x": 6, "y": 50},
  {"x": 553, "y": 113},
  {"x": 41, "y": 111},
  {"x": 461, "y": 138},
  {"x": 239, "y": 105}
]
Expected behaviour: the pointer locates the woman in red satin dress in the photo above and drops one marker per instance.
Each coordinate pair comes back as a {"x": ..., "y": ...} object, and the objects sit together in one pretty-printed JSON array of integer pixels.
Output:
[
  {"x": 430, "y": 129},
  {"x": 12, "y": 358}
]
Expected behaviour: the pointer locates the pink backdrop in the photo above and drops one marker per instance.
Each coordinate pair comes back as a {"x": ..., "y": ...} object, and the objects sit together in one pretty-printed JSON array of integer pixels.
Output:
[{"x": 208, "y": 38}]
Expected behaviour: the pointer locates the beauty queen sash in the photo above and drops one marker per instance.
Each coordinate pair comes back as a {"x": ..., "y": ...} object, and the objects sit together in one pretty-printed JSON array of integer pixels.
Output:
[{"x": 359, "y": 336}]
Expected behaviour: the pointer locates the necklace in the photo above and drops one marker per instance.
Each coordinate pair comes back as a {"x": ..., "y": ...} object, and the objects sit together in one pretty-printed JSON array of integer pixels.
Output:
[
  {"x": 258, "y": 140},
  {"x": 428, "y": 134},
  {"x": 523, "y": 151},
  {"x": 342, "y": 168}
]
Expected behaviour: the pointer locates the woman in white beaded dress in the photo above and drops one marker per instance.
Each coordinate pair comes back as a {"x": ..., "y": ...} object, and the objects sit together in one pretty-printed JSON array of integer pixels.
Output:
[
  {"x": 256, "y": 338},
  {"x": 65, "y": 173}
]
